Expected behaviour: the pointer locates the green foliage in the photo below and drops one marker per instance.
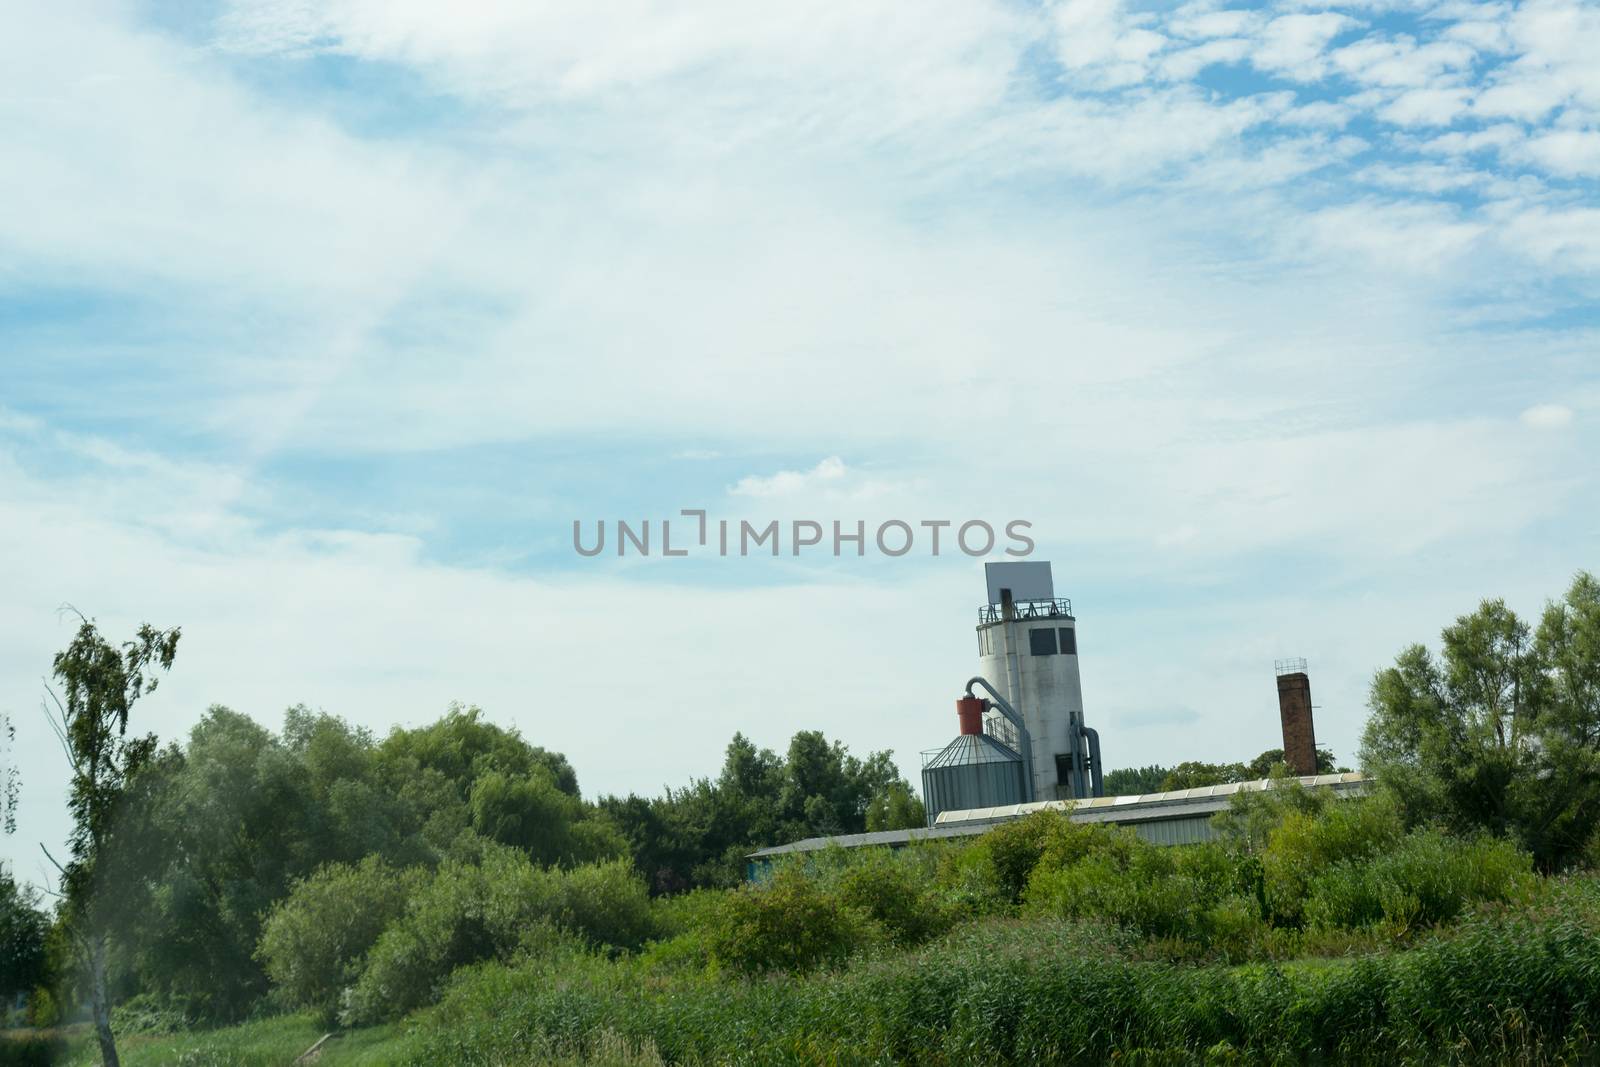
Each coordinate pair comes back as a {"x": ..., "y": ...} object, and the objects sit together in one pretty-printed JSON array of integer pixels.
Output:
[
  {"x": 895, "y": 807},
  {"x": 1424, "y": 880},
  {"x": 1501, "y": 732},
  {"x": 314, "y": 942},
  {"x": 462, "y": 747},
  {"x": 700, "y": 835},
  {"x": 527, "y": 812},
  {"x": 1192, "y": 774},
  {"x": 240, "y": 815},
  {"x": 1003, "y": 858},
  {"x": 895, "y": 891},
  {"x": 147, "y": 1014},
  {"x": 268, "y": 1042},
  {"x": 1133, "y": 781},
  {"x": 1306, "y": 844},
  {"x": 1253, "y": 814},
  {"x": 30, "y": 1050},
  {"x": 23, "y": 929},
  {"x": 1516, "y": 987},
  {"x": 495, "y": 909},
  {"x": 103, "y": 893},
  {"x": 1108, "y": 873},
  {"x": 790, "y": 923},
  {"x": 1195, "y": 773}
]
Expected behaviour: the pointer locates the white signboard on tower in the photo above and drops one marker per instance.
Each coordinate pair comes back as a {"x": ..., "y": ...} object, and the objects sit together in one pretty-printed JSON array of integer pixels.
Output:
[{"x": 1028, "y": 580}]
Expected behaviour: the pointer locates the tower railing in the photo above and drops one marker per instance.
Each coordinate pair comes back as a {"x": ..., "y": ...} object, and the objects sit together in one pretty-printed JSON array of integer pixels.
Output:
[{"x": 1059, "y": 608}]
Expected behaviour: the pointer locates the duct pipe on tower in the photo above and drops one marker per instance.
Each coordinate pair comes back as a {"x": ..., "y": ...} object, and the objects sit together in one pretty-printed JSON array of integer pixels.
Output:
[{"x": 1010, "y": 713}]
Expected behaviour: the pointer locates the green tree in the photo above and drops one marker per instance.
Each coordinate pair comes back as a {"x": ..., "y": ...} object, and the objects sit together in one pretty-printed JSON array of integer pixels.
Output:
[
  {"x": 1192, "y": 774},
  {"x": 895, "y": 807},
  {"x": 1132, "y": 781},
  {"x": 100, "y": 683},
  {"x": 1501, "y": 731},
  {"x": 24, "y": 964},
  {"x": 527, "y": 811}
]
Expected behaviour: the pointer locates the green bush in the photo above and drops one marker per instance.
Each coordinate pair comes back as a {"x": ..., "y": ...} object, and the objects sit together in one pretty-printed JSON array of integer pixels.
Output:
[
  {"x": 790, "y": 924},
  {"x": 315, "y": 941},
  {"x": 1005, "y": 856},
  {"x": 1088, "y": 871},
  {"x": 1426, "y": 879},
  {"x": 493, "y": 910},
  {"x": 30, "y": 1050},
  {"x": 893, "y": 896},
  {"x": 1305, "y": 843},
  {"x": 146, "y": 1014},
  {"x": 606, "y": 903}
]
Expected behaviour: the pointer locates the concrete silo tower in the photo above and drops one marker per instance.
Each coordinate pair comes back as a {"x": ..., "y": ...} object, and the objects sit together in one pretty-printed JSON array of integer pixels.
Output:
[{"x": 1028, "y": 648}]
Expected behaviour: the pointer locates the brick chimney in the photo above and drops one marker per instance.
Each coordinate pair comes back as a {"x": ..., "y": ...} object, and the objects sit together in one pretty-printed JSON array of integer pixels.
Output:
[{"x": 1294, "y": 708}]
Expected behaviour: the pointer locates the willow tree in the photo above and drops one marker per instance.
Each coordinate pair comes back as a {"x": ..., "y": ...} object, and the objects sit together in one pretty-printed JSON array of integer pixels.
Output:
[
  {"x": 99, "y": 685},
  {"x": 1500, "y": 732}
]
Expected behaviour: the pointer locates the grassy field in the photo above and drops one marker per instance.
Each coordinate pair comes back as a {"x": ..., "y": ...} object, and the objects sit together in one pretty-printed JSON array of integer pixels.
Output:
[{"x": 262, "y": 1043}]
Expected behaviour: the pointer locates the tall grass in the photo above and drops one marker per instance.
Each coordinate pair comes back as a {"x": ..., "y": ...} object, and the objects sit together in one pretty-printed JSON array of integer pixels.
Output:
[{"x": 1504, "y": 987}]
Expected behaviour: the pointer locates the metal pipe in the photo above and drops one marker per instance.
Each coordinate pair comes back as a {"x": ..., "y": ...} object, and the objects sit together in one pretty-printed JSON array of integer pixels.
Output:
[
  {"x": 1016, "y": 720},
  {"x": 1094, "y": 760},
  {"x": 1078, "y": 786}
]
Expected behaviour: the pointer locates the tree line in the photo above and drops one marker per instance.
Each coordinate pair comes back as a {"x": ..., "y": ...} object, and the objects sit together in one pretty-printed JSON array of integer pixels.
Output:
[{"x": 183, "y": 853}]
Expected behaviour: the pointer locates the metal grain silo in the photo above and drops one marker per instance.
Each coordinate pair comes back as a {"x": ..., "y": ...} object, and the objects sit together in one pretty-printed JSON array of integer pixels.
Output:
[{"x": 973, "y": 771}]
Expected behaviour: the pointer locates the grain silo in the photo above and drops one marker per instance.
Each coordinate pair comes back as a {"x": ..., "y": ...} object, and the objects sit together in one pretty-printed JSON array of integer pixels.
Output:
[
  {"x": 1028, "y": 646},
  {"x": 973, "y": 771}
]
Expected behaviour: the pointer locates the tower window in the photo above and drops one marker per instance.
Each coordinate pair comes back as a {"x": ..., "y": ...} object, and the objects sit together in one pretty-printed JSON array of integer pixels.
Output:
[
  {"x": 1042, "y": 642},
  {"x": 1069, "y": 641}
]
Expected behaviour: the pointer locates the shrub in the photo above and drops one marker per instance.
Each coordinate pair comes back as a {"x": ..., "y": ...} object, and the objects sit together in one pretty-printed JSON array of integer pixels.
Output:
[
  {"x": 1004, "y": 857},
  {"x": 607, "y": 903},
  {"x": 145, "y": 1013},
  {"x": 1253, "y": 814},
  {"x": 896, "y": 896},
  {"x": 1427, "y": 879},
  {"x": 789, "y": 924},
  {"x": 315, "y": 940},
  {"x": 1151, "y": 890},
  {"x": 495, "y": 909},
  {"x": 1306, "y": 843},
  {"x": 30, "y": 1050}
]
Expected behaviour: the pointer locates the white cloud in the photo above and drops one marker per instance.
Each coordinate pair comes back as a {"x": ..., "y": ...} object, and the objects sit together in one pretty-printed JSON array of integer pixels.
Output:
[
  {"x": 1547, "y": 416},
  {"x": 1098, "y": 41},
  {"x": 1295, "y": 46},
  {"x": 1399, "y": 62},
  {"x": 1568, "y": 153},
  {"x": 1418, "y": 237},
  {"x": 785, "y": 483},
  {"x": 1426, "y": 107}
]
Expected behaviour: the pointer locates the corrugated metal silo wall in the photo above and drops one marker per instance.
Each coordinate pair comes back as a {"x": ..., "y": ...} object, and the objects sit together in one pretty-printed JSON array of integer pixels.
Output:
[{"x": 976, "y": 785}]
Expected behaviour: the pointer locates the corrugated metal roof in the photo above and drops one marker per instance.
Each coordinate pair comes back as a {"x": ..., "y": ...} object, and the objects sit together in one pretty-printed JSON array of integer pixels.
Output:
[
  {"x": 879, "y": 837},
  {"x": 969, "y": 749},
  {"x": 1146, "y": 807}
]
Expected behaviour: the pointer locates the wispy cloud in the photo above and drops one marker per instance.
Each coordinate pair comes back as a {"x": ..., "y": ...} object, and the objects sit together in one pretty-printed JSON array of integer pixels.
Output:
[{"x": 326, "y": 319}]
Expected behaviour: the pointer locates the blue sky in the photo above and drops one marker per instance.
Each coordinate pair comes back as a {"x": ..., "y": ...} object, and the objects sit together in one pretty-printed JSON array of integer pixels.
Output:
[{"x": 323, "y": 321}]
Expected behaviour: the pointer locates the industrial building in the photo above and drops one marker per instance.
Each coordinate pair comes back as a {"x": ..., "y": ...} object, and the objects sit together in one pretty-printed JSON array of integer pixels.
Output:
[
  {"x": 1178, "y": 817},
  {"x": 1023, "y": 745}
]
